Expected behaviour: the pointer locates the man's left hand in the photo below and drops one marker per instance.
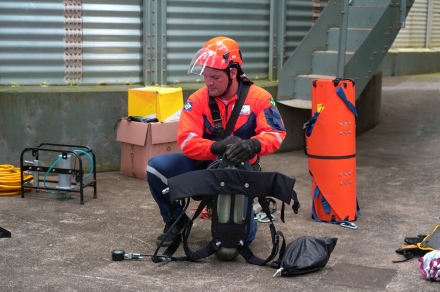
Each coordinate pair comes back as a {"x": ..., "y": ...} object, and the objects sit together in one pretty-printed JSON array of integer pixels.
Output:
[{"x": 243, "y": 150}]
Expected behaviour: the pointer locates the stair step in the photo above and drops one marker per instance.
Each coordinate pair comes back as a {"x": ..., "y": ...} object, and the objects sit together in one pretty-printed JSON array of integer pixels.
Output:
[
  {"x": 369, "y": 3},
  {"x": 298, "y": 87},
  {"x": 363, "y": 17},
  {"x": 355, "y": 37},
  {"x": 302, "y": 97},
  {"x": 303, "y": 85},
  {"x": 326, "y": 62},
  {"x": 297, "y": 103}
]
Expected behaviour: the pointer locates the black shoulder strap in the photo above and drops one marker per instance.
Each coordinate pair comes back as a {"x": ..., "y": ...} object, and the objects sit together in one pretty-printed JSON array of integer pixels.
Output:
[
  {"x": 217, "y": 119},
  {"x": 237, "y": 108},
  {"x": 246, "y": 252}
]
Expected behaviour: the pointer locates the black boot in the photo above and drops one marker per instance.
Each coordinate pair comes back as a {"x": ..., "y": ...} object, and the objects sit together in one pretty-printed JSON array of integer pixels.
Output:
[{"x": 173, "y": 232}]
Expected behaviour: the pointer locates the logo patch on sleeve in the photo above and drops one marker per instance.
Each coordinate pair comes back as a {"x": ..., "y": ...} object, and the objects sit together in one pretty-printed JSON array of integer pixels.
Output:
[
  {"x": 245, "y": 110},
  {"x": 188, "y": 106},
  {"x": 272, "y": 101}
]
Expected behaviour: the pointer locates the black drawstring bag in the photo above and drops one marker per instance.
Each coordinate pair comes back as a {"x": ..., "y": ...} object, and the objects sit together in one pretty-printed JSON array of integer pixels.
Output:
[{"x": 304, "y": 255}]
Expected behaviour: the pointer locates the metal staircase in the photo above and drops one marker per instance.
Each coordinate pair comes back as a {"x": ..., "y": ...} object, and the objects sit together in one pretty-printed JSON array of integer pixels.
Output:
[{"x": 371, "y": 28}]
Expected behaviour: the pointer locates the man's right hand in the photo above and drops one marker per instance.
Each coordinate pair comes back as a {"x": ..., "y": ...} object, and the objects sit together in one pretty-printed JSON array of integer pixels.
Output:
[{"x": 220, "y": 147}]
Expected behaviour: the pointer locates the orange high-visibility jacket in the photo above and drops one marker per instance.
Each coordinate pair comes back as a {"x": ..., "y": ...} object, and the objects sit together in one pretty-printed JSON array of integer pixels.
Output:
[{"x": 259, "y": 118}]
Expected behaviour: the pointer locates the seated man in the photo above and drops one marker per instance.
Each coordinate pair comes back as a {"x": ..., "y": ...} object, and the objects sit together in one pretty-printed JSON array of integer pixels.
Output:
[{"x": 258, "y": 130}]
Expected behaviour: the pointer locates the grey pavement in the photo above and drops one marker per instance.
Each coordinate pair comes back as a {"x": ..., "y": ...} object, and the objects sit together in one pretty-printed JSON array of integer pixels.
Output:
[{"x": 60, "y": 245}]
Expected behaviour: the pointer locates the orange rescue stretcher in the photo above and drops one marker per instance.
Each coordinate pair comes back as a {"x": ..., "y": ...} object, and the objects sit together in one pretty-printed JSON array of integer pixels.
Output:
[{"x": 330, "y": 144}]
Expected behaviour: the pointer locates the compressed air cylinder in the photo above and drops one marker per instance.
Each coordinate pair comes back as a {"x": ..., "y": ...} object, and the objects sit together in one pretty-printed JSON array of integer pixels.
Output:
[
  {"x": 224, "y": 208},
  {"x": 331, "y": 150},
  {"x": 64, "y": 180},
  {"x": 35, "y": 174},
  {"x": 224, "y": 212}
]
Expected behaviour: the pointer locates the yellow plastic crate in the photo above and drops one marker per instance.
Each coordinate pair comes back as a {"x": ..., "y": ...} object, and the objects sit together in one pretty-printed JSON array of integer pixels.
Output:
[{"x": 162, "y": 103}]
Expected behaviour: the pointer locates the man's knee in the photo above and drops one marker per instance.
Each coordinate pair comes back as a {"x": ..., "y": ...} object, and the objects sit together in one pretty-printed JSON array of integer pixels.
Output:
[
  {"x": 155, "y": 163},
  {"x": 157, "y": 168}
]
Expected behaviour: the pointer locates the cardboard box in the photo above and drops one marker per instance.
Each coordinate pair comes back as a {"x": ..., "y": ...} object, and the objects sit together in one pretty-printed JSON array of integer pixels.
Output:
[
  {"x": 141, "y": 141},
  {"x": 162, "y": 103}
]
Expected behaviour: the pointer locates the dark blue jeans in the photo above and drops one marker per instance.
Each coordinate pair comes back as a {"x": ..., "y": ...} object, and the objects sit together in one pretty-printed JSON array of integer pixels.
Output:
[{"x": 162, "y": 167}]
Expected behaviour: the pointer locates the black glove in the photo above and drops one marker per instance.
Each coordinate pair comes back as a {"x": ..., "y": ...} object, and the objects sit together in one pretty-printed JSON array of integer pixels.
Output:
[
  {"x": 243, "y": 150},
  {"x": 220, "y": 147}
]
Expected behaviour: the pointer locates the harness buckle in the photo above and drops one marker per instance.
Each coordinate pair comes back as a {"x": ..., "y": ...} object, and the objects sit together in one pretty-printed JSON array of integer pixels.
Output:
[
  {"x": 277, "y": 239},
  {"x": 215, "y": 121}
]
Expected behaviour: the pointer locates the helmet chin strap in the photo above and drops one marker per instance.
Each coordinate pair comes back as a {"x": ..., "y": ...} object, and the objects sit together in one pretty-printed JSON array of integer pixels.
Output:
[{"x": 229, "y": 84}]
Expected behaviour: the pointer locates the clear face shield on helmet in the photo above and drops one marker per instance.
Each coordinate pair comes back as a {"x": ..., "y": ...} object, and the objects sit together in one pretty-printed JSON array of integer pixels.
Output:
[{"x": 206, "y": 58}]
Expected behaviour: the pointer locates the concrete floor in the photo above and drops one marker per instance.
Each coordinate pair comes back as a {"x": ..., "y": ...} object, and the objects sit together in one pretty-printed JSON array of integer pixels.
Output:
[{"x": 60, "y": 245}]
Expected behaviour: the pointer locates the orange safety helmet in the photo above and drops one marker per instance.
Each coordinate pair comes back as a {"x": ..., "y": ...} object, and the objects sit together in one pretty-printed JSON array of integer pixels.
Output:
[{"x": 220, "y": 53}]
